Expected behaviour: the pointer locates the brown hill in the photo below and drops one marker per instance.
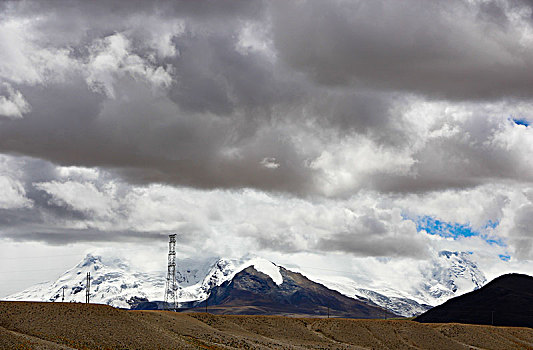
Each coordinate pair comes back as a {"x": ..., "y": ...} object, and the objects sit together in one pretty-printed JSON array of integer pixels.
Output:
[
  {"x": 253, "y": 292},
  {"x": 25, "y": 325}
]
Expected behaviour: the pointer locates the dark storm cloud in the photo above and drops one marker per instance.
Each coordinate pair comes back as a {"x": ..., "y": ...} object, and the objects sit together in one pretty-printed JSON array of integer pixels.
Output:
[
  {"x": 76, "y": 23},
  {"x": 223, "y": 116},
  {"x": 470, "y": 156},
  {"x": 212, "y": 76},
  {"x": 233, "y": 117},
  {"x": 371, "y": 235},
  {"x": 148, "y": 143},
  {"x": 208, "y": 9},
  {"x": 446, "y": 49},
  {"x": 492, "y": 11},
  {"x": 363, "y": 113},
  {"x": 60, "y": 236},
  {"x": 372, "y": 244}
]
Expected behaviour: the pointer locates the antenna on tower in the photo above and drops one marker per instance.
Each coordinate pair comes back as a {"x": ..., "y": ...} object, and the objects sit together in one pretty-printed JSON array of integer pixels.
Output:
[
  {"x": 88, "y": 288},
  {"x": 171, "y": 289}
]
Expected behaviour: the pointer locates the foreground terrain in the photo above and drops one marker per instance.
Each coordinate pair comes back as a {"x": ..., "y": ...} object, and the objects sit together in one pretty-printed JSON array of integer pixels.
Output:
[{"x": 26, "y": 325}]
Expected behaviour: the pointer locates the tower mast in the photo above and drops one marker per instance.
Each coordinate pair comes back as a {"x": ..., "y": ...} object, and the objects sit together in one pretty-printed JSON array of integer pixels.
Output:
[{"x": 171, "y": 289}]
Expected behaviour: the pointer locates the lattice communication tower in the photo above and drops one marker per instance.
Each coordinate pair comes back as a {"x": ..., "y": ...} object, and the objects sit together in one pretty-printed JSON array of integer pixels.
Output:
[
  {"x": 88, "y": 288},
  {"x": 171, "y": 289}
]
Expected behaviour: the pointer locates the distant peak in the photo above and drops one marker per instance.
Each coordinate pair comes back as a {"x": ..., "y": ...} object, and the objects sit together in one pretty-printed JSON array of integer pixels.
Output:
[
  {"x": 91, "y": 259},
  {"x": 99, "y": 261},
  {"x": 448, "y": 254}
]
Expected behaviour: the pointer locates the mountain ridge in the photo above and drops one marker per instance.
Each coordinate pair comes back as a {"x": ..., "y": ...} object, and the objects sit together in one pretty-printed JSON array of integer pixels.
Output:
[
  {"x": 115, "y": 283},
  {"x": 296, "y": 295}
]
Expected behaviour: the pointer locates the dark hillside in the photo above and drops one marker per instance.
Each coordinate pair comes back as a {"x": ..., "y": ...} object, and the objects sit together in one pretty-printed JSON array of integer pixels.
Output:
[{"x": 505, "y": 301}]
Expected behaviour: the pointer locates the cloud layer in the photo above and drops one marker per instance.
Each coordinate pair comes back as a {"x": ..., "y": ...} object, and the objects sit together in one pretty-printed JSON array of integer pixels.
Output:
[
  {"x": 289, "y": 127},
  {"x": 184, "y": 97},
  {"x": 447, "y": 49}
]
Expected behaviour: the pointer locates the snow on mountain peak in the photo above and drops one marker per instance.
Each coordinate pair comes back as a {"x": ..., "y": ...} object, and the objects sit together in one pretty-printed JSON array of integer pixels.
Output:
[
  {"x": 197, "y": 277},
  {"x": 90, "y": 260},
  {"x": 451, "y": 274},
  {"x": 268, "y": 268}
]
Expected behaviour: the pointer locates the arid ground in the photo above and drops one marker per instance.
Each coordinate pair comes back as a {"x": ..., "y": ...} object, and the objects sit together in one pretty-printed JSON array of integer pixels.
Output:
[{"x": 29, "y": 325}]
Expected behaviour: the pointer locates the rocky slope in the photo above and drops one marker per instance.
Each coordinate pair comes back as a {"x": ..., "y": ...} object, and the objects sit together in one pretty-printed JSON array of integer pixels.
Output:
[{"x": 295, "y": 295}]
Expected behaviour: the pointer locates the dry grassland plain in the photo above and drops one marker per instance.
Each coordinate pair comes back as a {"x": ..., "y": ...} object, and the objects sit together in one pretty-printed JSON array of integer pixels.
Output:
[{"x": 29, "y": 325}]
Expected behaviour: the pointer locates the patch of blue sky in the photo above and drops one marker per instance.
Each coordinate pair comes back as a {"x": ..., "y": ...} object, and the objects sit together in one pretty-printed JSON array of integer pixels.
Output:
[
  {"x": 504, "y": 257},
  {"x": 495, "y": 241},
  {"x": 491, "y": 224},
  {"x": 442, "y": 228},
  {"x": 521, "y": 121},
  {"x": 456, "y": 230}
]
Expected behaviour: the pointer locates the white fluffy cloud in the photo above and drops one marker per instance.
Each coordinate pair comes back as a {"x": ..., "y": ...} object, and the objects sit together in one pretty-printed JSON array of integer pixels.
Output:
[
  {"x": 12, "y": 192},
  {"x": 111, "y": 58},
  {"x": 12, "y": 103},
  {"x": 22, "y": 58},
  {"x": 83, "y": 197},
  {"x": 88, "y": 201}
]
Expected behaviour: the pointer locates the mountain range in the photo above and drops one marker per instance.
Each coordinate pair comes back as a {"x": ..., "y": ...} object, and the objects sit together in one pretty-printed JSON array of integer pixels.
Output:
[{"x": 221, "y": 281}]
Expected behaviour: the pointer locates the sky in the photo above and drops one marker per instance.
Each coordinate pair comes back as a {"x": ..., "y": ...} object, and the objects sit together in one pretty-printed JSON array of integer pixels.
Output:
[{"x": 357, "y": 135}]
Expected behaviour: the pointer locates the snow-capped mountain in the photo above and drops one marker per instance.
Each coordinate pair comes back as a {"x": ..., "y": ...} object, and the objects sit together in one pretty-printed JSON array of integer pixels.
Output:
[
  {"x": 197, "y": 277},
  {"x": 115, "y": 283},
  {"x": 452, "y": 274},
  {"x": 112, "y": 282},
  {"x": 448, "y": 275}
]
